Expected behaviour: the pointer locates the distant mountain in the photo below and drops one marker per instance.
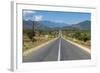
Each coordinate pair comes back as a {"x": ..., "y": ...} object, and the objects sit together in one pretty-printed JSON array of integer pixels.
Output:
[
  {"x": 27, "y": 24},
  {"x": 37, "y": 25},
  {"x": 43, "y": 25},
  {"x": 53, "y": 24},
  {"x": 85, "y": 25},
  {"x": 48, "y": 25}
]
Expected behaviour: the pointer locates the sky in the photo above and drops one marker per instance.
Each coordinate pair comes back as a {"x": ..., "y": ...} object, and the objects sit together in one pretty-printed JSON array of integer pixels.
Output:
[{"x": 55, "y": 16}]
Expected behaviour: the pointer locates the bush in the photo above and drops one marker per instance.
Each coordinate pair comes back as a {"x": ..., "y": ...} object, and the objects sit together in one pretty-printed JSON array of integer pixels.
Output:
[{"x": 81, "y": 35}]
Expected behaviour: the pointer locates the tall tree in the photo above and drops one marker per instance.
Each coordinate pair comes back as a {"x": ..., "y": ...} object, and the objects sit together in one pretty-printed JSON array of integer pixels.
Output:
[{"x": 31, "y": 33}]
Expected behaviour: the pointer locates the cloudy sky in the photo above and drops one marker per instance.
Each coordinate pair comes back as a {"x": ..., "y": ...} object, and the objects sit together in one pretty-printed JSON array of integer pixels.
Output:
[{"x": 61, "y": 17}]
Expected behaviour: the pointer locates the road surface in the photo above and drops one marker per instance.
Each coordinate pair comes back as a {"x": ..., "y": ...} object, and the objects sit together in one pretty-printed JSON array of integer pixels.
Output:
[{"x": 58, "y": 50}]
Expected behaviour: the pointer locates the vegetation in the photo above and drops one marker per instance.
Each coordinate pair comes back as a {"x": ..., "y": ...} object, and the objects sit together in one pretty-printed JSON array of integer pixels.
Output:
[
  {"x": 33, "y": 37},
  {"x": 36, "y": 33},
  {"x": 79, "y": 36}
]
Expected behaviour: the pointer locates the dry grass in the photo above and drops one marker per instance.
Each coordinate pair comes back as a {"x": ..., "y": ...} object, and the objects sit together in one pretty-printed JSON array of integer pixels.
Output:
[
  {"x": 28, "y": 44},
  {"x": 85, "y": 44}
]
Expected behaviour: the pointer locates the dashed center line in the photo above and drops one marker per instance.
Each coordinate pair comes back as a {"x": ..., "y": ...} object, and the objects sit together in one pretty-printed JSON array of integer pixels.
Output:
[{"x": 59, "y": 49}]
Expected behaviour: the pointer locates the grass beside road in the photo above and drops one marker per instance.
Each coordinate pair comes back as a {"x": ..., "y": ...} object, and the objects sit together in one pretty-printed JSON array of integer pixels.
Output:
[
  {"x": 81, "y": 37},
  {"x": 85, "y": 44},
  {"x": 28, "y": 44}
]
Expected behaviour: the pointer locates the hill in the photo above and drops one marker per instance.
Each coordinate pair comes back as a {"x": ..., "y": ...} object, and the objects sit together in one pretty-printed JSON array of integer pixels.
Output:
[{"x": 85, "y": 25}]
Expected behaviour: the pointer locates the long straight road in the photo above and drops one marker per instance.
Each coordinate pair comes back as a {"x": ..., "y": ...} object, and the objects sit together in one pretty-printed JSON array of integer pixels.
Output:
[{"x": 58, "y": 50}]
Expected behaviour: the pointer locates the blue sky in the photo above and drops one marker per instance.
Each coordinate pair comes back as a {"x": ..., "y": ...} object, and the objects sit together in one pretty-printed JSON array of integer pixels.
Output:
[{"x": 61, "y": 17}]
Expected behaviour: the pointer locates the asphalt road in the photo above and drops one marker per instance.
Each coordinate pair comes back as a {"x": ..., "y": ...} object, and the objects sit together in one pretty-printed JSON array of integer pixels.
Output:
[{"x": 60, "y": 50}]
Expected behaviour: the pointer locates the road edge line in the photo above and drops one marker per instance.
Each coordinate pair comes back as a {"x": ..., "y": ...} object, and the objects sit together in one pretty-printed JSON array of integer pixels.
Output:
[
  {"x": 36, "y": 48},
  {"x": 82, "y": 47}
]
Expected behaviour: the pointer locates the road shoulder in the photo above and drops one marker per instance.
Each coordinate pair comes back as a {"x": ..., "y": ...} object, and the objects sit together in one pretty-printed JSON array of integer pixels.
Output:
[
  {"x": 38, "y": 47},
  {"x": 84, "y": 48}
]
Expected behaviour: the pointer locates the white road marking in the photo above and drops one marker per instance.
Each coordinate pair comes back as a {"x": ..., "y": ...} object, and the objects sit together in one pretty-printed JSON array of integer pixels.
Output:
[
  {"x": 25, "y": 53},
  {"x": 81, "y": 47},
  {"x": 59, "y": 49}
]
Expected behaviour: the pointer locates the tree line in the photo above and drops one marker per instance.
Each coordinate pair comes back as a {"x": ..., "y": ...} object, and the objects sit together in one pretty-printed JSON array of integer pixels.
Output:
[
  {"x": 31, "y": 33},
  {"x": 82, "y": 35}
]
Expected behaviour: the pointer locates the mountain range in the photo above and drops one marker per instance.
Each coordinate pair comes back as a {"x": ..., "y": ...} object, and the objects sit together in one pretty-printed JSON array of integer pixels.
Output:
[
  {"x": 85, "y": 25},
  {"x": 49, "y": 25}
]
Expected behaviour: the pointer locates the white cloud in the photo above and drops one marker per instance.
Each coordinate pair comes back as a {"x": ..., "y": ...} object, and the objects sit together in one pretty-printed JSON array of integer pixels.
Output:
[
  {"x": 28, "y": 12},
  {"x": 31, "y": 15},
  {"x": 37, "y": 17}
]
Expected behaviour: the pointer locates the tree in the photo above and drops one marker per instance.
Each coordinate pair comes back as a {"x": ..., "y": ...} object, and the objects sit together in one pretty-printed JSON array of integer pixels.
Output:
[
  {"x": 31, "y": 33},
  {"x": 76, "y": 35}
]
